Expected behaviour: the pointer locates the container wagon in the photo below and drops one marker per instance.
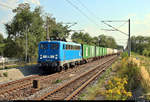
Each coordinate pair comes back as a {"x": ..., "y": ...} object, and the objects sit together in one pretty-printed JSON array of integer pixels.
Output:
[{"x": 88, "y": 52}]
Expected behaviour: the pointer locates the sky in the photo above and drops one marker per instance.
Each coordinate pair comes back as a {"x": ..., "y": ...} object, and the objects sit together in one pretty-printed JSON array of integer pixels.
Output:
[{"x": 88, "y": 15}]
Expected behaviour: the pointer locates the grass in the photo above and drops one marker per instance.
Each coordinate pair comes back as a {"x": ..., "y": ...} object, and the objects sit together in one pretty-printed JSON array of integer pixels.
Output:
[
  {"x": 92, "y": 91},
  {"x": 81, "y": 96},
  {"x": 2, "y": 45},
  {"x": 5, "y": 74},
  {"x": 57, "y": 81},
  {"x": 127, "y": 68},
  {"x": 144, "y": 79},
  {"x": 115, "y": 89},
  {"x": 145, "y": 61},
  {"x": 145, "y": 74}
]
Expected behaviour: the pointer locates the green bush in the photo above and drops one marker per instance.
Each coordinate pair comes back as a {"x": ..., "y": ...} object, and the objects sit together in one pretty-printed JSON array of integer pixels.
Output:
[
  {"x": 145, "y": 52},
  {"x": 129, "y": 70},
  {"x": 5, "y": 74},
  {"x": 115, "y": 89},
  {"x": 124, "y": 54}
]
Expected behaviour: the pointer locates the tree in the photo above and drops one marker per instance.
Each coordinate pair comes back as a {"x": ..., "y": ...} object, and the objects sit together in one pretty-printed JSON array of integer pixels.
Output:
[
  {"x": 120, "y": 47},
  {"x": 102, "y": 40},
  {"x": 1, "y": 44},
  {"x": 77, "y": 37},
  {"x": 83, "y": 38},
  {"x": 107, "y": 41},
  {"x": 1, "y": 38},
  {"x": 33, "y": 24},
  {"x": 56, "y": 30},
  {"x": 95, "y": 41},
  {"x": 24, "y": 22},
  {"x": 140, "y": 44}
]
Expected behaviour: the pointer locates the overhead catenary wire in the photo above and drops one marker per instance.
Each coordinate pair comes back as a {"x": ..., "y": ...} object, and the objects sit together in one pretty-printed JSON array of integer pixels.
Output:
[
  {"x": 87, "y": 9},
  {"x": 115, "y": 28},
  {"x": 90, "y": 12},
  {"x": 84, "y": 14},
  {"x": 122, "y": 24}
]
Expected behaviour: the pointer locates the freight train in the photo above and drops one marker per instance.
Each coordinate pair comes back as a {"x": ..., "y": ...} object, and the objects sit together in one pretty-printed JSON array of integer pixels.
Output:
[{"x": 56, "y": 55}]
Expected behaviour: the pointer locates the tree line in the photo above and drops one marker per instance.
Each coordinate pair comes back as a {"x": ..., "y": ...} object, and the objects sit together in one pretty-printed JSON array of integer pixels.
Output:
[
  {"x": 101, "y": 40},
  {"x": 141, "y": 45},
  {"x": 33, "y": 25}
]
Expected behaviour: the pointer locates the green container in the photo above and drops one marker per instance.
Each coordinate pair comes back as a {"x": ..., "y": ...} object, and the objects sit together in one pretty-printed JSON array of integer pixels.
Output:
[
  {"x": 104, "y": 51},
  {"x": 101, "y": 51},
  {"x": 88, "y": 51},
  {"x": 97, "y": 51}
]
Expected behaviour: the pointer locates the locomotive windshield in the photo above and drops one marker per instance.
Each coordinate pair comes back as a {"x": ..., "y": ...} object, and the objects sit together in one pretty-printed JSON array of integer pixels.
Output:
[
  {"x": 54, "y": 46},
  {"x": 43, "y": 46}
]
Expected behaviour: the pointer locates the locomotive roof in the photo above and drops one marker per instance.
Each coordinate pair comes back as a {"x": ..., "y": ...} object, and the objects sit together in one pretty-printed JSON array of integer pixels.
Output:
[{"x": 72, "y": 43}]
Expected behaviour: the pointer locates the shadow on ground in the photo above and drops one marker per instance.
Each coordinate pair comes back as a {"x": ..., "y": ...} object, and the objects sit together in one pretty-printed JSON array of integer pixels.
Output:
[{"x": 33, "y": 70}]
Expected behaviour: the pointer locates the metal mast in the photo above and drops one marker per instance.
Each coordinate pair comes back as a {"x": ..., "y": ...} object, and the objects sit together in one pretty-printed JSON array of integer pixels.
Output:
[{"x": 115, "y": 29}]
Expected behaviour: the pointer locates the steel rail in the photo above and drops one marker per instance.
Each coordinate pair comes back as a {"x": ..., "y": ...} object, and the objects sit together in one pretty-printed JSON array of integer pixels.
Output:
[
  {"x": 23, "y": 85},
  {"x": 62, "y": 86},
  {"x": 17, "y": 81},
  {"x": 86, "y": 83}
]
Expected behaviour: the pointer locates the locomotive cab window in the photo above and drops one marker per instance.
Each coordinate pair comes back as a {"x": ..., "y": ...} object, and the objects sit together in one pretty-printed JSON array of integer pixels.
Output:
[
  {"x": 54, "y": 46},
  {"x": 43, "y": 46}
]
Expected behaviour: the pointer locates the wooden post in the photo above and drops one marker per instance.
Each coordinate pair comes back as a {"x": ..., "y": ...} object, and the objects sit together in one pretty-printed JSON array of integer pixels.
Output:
[{"x": 36, "y": 84}]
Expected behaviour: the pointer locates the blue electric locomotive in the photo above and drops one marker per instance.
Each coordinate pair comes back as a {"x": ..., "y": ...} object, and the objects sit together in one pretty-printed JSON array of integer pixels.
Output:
[{"x": 54, "y": 55}]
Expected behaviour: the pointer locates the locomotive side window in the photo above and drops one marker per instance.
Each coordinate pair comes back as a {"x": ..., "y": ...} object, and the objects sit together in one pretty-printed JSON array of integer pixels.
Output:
[
  {"x": 72, "y": 47},
  {"x": 63, "y": 46},
  {"x": 69, "y": 47},
  {"x": 43, "y": 46},
  {"x": 54, "y": 46},
  {"x": 66, "y": 47}
]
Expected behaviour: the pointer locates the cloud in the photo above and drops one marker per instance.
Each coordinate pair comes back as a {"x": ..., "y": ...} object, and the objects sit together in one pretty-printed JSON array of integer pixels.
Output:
[
  {"x": 8, "y": 4},
  {"x": 36, "y": 2},
  {"x": 11, "y": 4},
  {"x": 3, "y": 21}
]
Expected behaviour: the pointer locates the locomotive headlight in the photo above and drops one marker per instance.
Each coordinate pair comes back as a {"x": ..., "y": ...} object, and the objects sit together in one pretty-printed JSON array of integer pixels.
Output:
[
  {"x": 44, "y": 56},
  {"x": 52, "y": 56},
  {"x": 40, "y": 56}
]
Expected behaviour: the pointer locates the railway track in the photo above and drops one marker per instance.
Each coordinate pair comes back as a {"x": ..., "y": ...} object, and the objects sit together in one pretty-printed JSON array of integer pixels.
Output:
[
  {"x": 23, "y": 87},
  {"x": 27, "y": 82},
  {"x": 7, "y": 87},
  {"x": 68, "y": 90},
  {"x": 10, "y": 87}
]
